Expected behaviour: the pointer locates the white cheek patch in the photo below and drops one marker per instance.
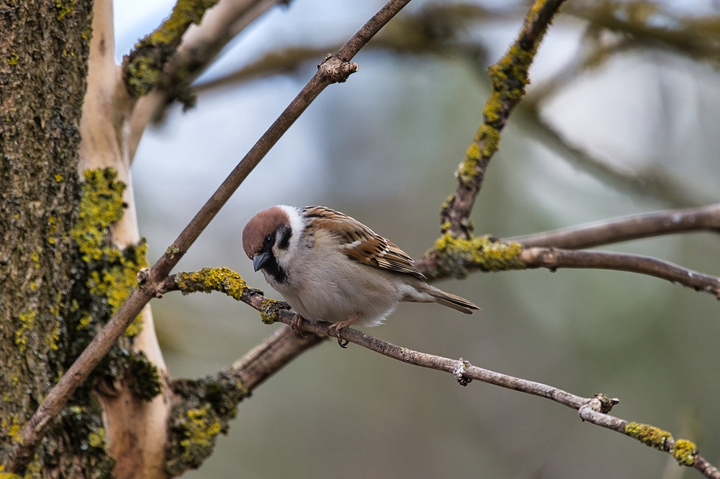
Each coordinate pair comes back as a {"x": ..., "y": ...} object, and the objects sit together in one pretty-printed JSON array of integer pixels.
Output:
[{"x": 296, "y": 226}]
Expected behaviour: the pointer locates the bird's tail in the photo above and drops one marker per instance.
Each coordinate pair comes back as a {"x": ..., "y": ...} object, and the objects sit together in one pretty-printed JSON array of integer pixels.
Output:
[{"x": 452, "y": 301}]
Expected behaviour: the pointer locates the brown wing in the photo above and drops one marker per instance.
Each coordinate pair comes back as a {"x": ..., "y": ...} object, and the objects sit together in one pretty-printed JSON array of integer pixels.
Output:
[{"x": 361, "y": 243}]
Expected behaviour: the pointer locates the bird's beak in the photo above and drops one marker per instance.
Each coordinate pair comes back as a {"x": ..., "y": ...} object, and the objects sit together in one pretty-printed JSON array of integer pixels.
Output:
[{"x": 260, "y": 259}]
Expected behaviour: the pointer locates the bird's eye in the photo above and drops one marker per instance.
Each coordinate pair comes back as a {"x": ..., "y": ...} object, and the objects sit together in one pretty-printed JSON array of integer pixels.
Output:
[{"x": 268, "y": 239}]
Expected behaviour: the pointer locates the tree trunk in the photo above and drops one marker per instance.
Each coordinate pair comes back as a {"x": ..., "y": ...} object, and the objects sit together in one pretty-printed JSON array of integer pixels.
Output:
[{"x": 67, "y": 258}]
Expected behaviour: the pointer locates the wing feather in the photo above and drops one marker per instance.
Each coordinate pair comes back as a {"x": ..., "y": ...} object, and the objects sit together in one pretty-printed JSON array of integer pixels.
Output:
[{"x": 360, "y": 243}]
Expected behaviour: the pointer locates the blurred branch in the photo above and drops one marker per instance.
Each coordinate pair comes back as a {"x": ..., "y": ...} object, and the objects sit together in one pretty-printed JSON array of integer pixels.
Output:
[
  {"x": 509, "y": 77},
  {"x": 654, "y": 184},
  {"x": 648, "y": 24},
  {"x": 143, "y": 67},
  {"x": 554, "y": 258},
  {"x": 199, "y": 47},
  {"x": 435, "y": 30},
  {"x": 627, "y": 229},
  {"x": 332, "y": 70},
  {"x": 594, "y": 410}
]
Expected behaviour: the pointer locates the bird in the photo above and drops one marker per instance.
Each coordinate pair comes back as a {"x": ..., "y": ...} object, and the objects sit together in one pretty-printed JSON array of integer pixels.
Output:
[{"x": 330, "y": 267}]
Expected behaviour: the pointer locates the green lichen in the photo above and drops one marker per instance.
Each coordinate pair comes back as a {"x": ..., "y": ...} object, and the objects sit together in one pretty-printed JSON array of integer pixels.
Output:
[
  {"x": 204, "y": 410},
  {"x": 207, "y": 280},
  {"x": 11, "y": 427},
  {"x": 112, "y": 271},
  {"x": 9, "y": 475},
  {"x": 145, "y": 377},
  {"x": 143, "y": 68},
  {"x": 457, "y": 255},
  {"x": 648, "y": 435},
  {"x": 684, "y": 452}
]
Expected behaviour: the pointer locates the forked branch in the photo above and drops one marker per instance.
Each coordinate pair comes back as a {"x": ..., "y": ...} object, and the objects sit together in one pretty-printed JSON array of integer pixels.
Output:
[{"x": 331, "y": 70}]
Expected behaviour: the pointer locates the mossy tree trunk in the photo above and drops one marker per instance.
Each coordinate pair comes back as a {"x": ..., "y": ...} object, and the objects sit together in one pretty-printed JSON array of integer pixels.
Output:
[
  {"x": 67, "y": 260},
  {"x": 43, "y": 73}
]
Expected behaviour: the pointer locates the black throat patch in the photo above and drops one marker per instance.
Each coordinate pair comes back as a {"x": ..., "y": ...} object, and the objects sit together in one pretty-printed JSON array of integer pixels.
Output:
[{"x": 281, "y": 236}]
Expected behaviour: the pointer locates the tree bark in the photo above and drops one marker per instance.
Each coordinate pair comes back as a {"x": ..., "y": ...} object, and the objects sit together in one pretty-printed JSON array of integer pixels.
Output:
[{"x": 43, "y": 71}]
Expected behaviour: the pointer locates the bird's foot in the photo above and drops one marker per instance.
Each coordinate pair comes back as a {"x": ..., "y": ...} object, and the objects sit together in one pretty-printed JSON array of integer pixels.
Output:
[
  {"x": 296, "y": 325},
  {"x": 335, "y": 328}
]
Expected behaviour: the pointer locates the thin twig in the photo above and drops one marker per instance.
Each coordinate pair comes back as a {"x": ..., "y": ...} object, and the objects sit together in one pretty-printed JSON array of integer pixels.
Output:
[
  {"x": 627, "y": 228},
  {"x": 553, "y": 259},
  {"x": 334, "y": 69},
  {"x": 593, "y": 410}
]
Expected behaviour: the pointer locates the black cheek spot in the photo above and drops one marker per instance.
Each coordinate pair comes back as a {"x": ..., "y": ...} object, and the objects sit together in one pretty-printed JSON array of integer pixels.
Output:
[{"x": 283, "y": 234}]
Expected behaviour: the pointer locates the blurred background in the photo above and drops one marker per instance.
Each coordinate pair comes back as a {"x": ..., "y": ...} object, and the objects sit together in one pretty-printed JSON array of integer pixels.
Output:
[{"x": 621, "y": 118}]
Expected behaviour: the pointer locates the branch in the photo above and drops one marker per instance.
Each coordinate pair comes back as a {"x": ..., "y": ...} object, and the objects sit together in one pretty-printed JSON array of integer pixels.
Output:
[
  {"x": 200, "y": 46},
  {"x": 434, "y": 31},
  {"x": 509, "y": 77},
  {"x": 593, "y": 410},
  {"x": 454, "y": 257},
  {"x": 143, "y": 67},
  {"x": 627, "y": 228},
  {"x": 333, "y": 69},
  {"x": 652, "y": 182},
  {"x": 553, "y": 259}
]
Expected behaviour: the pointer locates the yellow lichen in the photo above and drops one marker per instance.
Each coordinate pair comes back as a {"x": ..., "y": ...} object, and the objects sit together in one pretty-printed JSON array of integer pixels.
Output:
[
  {"x": 200, "y": 428},
  {"x": 13, "y": 60},
  {"x": 101, "y": 205},
  {"x": 684, "y": 452},
  {"x": 64, "y": 8},
  {"x": 456, "y": 255},
  {"x": 59, "y": 177},
  {"x": 207, "y": 280},
  {"x": 27, "y": 321},
  {"x": 647, "y": 434},
  {"x": 269, "y": 311},
  {"x": 97, "y": 439}
]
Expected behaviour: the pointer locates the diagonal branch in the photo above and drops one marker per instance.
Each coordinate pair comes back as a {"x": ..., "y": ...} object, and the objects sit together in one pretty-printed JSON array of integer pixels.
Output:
[
  {"x": 509, "y": 77},
  {"x": 333, "y": 69},
  {"x": 593, "y": 410},
  {"x": 143, "y": 67}
]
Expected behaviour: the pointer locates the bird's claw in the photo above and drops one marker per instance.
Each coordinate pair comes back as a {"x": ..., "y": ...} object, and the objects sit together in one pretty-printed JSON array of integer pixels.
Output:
[
  {"x": 334, "y": 330},
  {"x": 296, "y": 325}
]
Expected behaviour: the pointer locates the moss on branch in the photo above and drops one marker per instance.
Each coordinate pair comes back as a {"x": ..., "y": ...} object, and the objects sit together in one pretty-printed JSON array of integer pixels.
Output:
[
  {"x": 227, "y": 281},
  {"x": 203, "y": 409},
  {"x": 457, "y": 255},
  {"x": 682, "y": 450},
  {"x": 143, "y": 67}
]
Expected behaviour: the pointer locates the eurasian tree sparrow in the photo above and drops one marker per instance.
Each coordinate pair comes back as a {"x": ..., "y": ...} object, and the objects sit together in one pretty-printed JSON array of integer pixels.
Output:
[{"x": 329, "y": 266}]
